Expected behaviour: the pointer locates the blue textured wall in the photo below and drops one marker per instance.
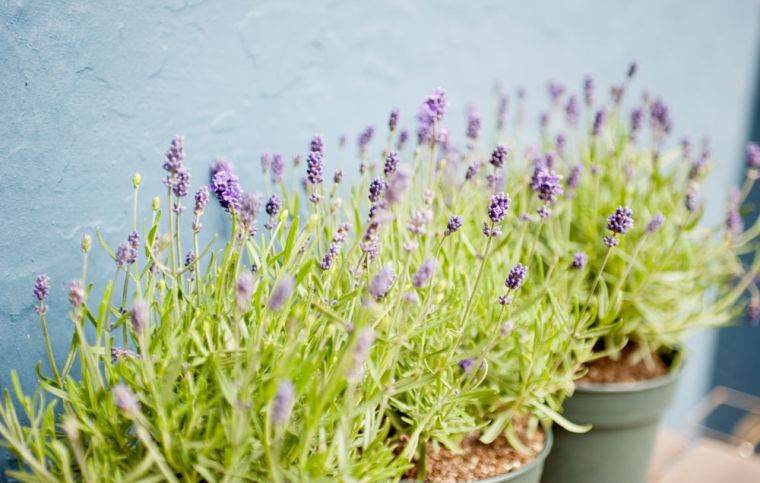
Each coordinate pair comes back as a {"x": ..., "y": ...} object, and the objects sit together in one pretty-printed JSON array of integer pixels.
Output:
[{"x": 90, "y": 92}]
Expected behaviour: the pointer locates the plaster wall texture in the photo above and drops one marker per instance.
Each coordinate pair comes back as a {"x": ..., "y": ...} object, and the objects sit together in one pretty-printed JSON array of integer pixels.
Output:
[{"x": 92, "y": 91}]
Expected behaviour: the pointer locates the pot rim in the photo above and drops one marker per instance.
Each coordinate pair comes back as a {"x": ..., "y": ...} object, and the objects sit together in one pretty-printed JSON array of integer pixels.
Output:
[
  {"x": 645, "y": 385},
  {"x": 537, "y": 461}
]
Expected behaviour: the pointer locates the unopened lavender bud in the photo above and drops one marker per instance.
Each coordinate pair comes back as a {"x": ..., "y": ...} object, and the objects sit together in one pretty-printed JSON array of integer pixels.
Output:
[
  {"x": 455, "y": 222},
  {"x": 136, "y": 178},
  {"x": 580, "y": 259},
  {"x": 140, "y": 315},
  {"x": 610, "y": 241},
  {"x": 281, "y": 292},
  {"x": 244, "y": 290},
  {"x": 467, "y": 365},
  {"x": 393, "y": 120},
  {"x": 338, "y": 176},
  {"x": 155, "y": 203},
  {"x": 283, "y": 402},
  {"x": 125, "y": 399},
  {"x": 424, "y": 273},
  {"x": 86, "y": 243},
  {"x": 516, "y": 277},
  {"x": 76, "y": 292},
  {"x": 655, "y": 224}
]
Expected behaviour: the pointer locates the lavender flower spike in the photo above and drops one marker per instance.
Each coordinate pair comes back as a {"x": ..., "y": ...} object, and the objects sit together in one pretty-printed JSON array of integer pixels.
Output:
[
  {"x": 76, "y": 292},
  {"x": 621, "y": 221},
  {"x": 424, "y": 273},
  {"x": 499, "y": 155},
  {"x": 274, "y": 205},
  {"x": 314, "y": 168},
  {"x": 499, "y": 206},
  {"x": 516, "y": 277},
  {"x": 360, "y": 353},
  {"x": 244, "y": 290},
  {"x": 283, "y": 402},
  {"x": 473, "y": 123},
  {"x": 547, "y": 184},
  {"x": 175, "y": 155},
  {"x": 580, "y": 259},
  {"x": 225, "y": 185},
  {"x": 281, "y": 292},
  {"x": 376, "y": 189},
  {"x": 381, "y": 284},
  {"x": 317, "y": 145},
  {"x": 467, "y": 365},
  {"x": 125, "y": 399},
  {"x": 393, "y": 120},
  {"x": 201, "y": 200},
  {"x": 140, "y": 315},
  {"x": 599, "y": 119},
  {"x": 753, "y": 155},
  {"x": 455, "y": 222},
  {"x": 655, "y": 224},
  {"x": 391, "y": 163},
  {"x": 41, "y": 287},
  {"x": 364, "y": 138}
]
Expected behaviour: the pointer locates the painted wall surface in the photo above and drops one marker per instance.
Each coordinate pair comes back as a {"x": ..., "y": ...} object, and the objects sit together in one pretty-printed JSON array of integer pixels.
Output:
[{"x": 92, "y": 91}]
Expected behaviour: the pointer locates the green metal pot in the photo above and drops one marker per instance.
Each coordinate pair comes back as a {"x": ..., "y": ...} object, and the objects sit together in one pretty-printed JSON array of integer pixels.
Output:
[
  {"x": 624, "y": 419},
  {"x": 530, "y": 473}
]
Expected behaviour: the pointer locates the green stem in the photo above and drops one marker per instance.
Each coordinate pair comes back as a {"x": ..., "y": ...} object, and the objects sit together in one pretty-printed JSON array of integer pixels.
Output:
[{"x": 48, "y": 347}]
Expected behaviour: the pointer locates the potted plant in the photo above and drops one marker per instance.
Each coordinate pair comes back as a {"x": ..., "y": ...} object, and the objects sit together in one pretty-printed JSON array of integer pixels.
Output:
[{"x": 649, "y": 272}]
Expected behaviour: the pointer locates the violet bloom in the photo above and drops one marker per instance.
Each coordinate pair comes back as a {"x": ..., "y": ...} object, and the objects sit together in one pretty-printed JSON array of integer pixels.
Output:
[
  {"x": 335, "y": 244},
  {"x": 119, "y": 353},
  {"x": 473, "y": 123},
  {"x": 278, "y": 168},
  {"x": 599, "y": 119},
  {"x": 637, "y": 116},
  {"x": 555, "y": 90},
  {"x": 338, "y": 176},
  {"x": 467, "y": 365},
  {"x": 516, "y": 277},
  {"x": 753, "y": 155},
  {"x": 588, "y": 90},
  {"x": 314, "y": 165},
  {"x": 376, "y": 189},
  {"x": 273, "y": 206},
  {"x": 418, "y": 222},
  {"x": 499, "y": 206},
  {"x": 455, "y": 222},
  {"x": 391, "y": 163},
  {"x": 393, "y": 120},
  {"x": 472, "y": 170},
  {"x": 501, "y": 111},
  {"x": 250, "y": 205},
  {"x": 547, "y": 184},
  {"x": 225, "y": 185},
  {"x": 424, "y": 273},
  {"x": 281, "y": 292},
  {"x": 571, "y": 111},
  {"x": 660, "y": 117},
  {"x": 403, "y": 137},
  {"x": 610, "y": 241},
  {"x": 364, "y": 138},
  {"x": 266, "y": 162},
  {"x": 431, "y": 111},
  {"x": 544, "y": 211},
  {"x": 621, "y": 221},
  {"x": 125, "y": 399},
  {"x": 283, "y": 401},
  {"x": 244, "y": 290},
  {"x": 499, "y": 155},
  {"x": 175, "y": 155},
  {"x": 580, "y": 259},
  {"x": 201, "y": 200},
  {"x": 317, "y": 145},
  {"x": 734, "y": 222},
  {"x": 190, "y": 259},
  {"x": 397, "y": 185},
  {"x": 76, "y": 292},
  {"x": 655, "y": 224},
  {"x": 41, "y": 287},
  {"x": 632, "y": 69},
  {"x": 140, "y": 315},
  {"x": 382, "y": 282},
  {"x": 360, "y": 353},
  {"x": 574, "y": 178}
]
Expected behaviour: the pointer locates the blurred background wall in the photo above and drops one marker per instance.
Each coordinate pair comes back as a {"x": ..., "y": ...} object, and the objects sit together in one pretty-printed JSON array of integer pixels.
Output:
[{"x": 91, "y": 92}]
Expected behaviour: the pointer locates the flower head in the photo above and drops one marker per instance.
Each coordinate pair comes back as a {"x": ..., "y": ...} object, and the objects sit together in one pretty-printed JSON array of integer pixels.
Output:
[
  {"x": 391, "y": 163},
  {"x": 455, "y": 222},
  {"x": 574, "y": 178},
  {"x": 621, "y": 221},
  {"x": 283, "y": 402},
  {"x": 654, "y": 224},
  {"x": 516, "y": 277},
  {"x": 473, "y": 123},
  {"x": 201, "y": 200},
  {"x": 334, "y": 249},
  {"x": 314, "y": 165},
  {"x": 140, "y": 315},
  {"x": 41, "y": 287},
  {"x": 281, "y": 292},
  {"x": 225, "y": 185},
  {"x": 499, "y": 155},
  {"x": 244, "y": 290},
  {"x": 660, "y": 117},
  {"x": 547, "y": 184},
  {"x": 397, "y": 185},
  {"x": 472, "y": 170},
  {"x": 588, "y": 90},
  {"x": 424, "y": 273},
  {"x": 572, "y": 110},
  {"x": 610, "y": 241},
  {"x": 317, "y": 145},
  {"x": 273, "y": 206},
  {"x": 499, "y": 206},
  {"x": 393, "y": 120},
  {"x": 467, "y": 365},
  {"x": 382, "y": 282},
  {"x": 376, "y": 189},
  {"x": 430, "y": 112},
  {"x": 753, "y": 155},
  {"x": 403, "y": 137},
  {"x": 278, "y": 167},
  {"x": 76, "y": 292},
  {"x": 364, "y": 138},
  {"x": 125, "y": 399},
  {"x": 175, "y": 155},
  {"x": 599, "y": 118},
  {"x": 338, "y": 176},
  {"x": 637, "y": 116},
  {"x": 580, "y": 259}
]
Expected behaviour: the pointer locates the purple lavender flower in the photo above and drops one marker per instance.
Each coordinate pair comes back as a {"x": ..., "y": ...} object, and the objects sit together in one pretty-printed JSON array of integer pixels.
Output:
[
  {"x": 654, "y": 224},
  {"x": 637, "y": 116},
  {"x": 403, "y": 137},
  {"x": 501, "y": 111},
  {"x": 41, "y": 287},
  {"x": 334, "y": 249},
  {"x": 555, "y": 90},
  {"x": 588, "y": 90},
  {"x": 314, "y": 168},
  {"x": 599, "y": 119},
  {"x": 753, "y": 155},
  {"x": 281, "y": 292},
  {"x": 274, "y": 205},
  {"x": 571, "y": 111},
  {"x": 455, "y": 222},
  {"x": 547, "y": 184},
  {"x": 201, "y": 200},
  {"x": 467, "y": 365},
  {"x": 250, "y": 205},
  {"x": 473, "y": 123},
  {"x": 499, "y": 155},
  {"x": 543, "y": 120},
  {"x": 126, "y": 252},
  {"x": 616, "y": 92},
  {"x": 499, "y": 206},
  {"x": 119, "y": 353},
  {"x": 610, "y": 241},
  {"x": 225, "y": 185},
  {"x": 574, "y": 178},
  {"x": 364, "y": 138},
  {"x": 175, "y": 155},
  {"x": 690, "y": 200},
  {"x": 190, "y": 258},
  {"x": 472, "y": 170},
  {"x": 544, "y": 211},
  {"x": 417, "y": 224},
  {"x": 391, "y": 163},
  {"x": 734, "y": 222},
  {"x": 516, "y": 277},
  {"x": 359, "y": 354},
  {"x": 283, "y": 401},
  {"x": 125, "y": 399},
  {"x": 76, "y": 292},
  {"x": 266, "y": 162},
  {"x": 244, "y": 290},
  {"x": 393, "y": 120},
  {"x": 382, "y": 282},
  {"x": 660, "y": 117},
  {"x": 621, "y": 221},
  {"x": 140, "y": 315},
  {"x": 397, "y": 185},
  {"x": 430, "y": 112},
  {"x": 580, "y": 259},
  {"x": 317, "y": 145},
  {"x": 424, "y": 273},
  {"x": 278, "y": 168},
  {"x": 338, "y": 176},
  {"x": 180, "y": 183},
  {"x": 632, "y": 69},
  {"x": 376, "y": 189}
]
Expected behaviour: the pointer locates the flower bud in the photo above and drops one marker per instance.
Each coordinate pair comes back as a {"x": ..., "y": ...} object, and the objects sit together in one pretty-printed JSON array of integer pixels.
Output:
[
  {"x": 86, "y": 243},
  {"x": 283, "y": 216},
  {"x": 156, "y": 203},
  {"x": 136, "y": 178},
  {"x": 161, "y": 285}
]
